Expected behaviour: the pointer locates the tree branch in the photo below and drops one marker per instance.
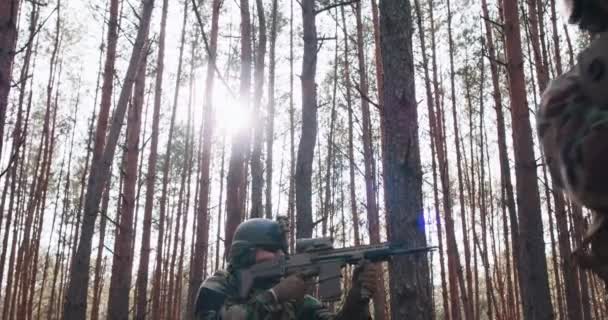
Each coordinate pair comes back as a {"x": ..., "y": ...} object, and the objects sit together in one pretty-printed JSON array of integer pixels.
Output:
[
  {"x": 338, "y": 4},
  {"x": 33, "y": 34},
  {"x": 213, "y": 62},
  {"x": 365, "y": 97}
]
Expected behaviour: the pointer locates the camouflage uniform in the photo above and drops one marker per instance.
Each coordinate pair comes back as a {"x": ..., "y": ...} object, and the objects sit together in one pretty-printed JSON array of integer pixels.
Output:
[
  {"x": 572, "y": 125},
  {"x": 218, "y": 297}
]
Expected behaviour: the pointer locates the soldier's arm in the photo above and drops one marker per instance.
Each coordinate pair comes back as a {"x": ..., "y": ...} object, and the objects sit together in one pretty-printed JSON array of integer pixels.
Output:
[
  {"x": 311, "y": 308},
  {"x": 259, "y": 306}
]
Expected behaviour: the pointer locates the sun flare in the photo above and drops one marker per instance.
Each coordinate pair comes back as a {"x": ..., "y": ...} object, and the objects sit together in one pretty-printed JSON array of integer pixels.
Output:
[{"x": 230, "y": 114}]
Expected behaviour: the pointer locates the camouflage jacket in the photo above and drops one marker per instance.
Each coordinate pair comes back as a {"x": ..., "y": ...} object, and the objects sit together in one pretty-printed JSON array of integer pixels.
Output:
[
  {"x": 217, "y": 299},
  {"x": 572, "y": 128}
]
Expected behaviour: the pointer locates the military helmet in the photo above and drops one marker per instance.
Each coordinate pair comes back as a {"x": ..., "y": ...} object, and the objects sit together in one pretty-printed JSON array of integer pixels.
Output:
[
  {"x": 253, "y": 234},
  {"x": 590, "y": 15}
]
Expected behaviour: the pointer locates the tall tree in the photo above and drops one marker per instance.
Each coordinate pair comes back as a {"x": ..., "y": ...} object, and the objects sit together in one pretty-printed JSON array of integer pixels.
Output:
[
  {"x": 306, "y": 147},
  {"x": 179, "y": 213},
  {"x": 9, "y": 14},
  {"x": 505, "y": 171},
  {"x": 17, "y": 143},
  {"x": 120, "y": 280},
  {"x": 257, "y": 172},
  {"x": 432, "y": 129},
  {"x": 453, "y": 258},
  {"x": 351, "y": 156},
  {"x": 237, "y": 177},
  {"x": 76, "y": 299},
  {"x": 533, "y": 276},
  {"x": 271, "y": 104},
  {"x": 410, "y": 285},
  {"x": 202, "y": 212},
  {"x": 292, "y": 152},
  {"x": 466, "y": 292},
  {"x": 373, "y": 218},
  {"x": 160, "y": 67}
]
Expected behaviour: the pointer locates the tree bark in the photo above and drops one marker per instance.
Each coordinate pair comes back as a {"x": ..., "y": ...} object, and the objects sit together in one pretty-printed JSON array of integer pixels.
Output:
[
  {"x": 271, "y": 106},
  {"x": 9, "y": 11},
  {"x": 144, "y": 256},
  {"x": 237, "y": 177},
  {"x": 454, "y": 266},
  {"x": 410, "y": 281},
  {"x": 505, "y": 171},
  {"x": 465, "y": 292},
  {"x": 75, "y": 303},
  {"x": 373, "y": 219},
  {"x": 432, "y": 129},
  {"x": 257, "y": 171},
  {"x": 532, "y": 273},
  {"x": 171, "y": 293},
  {"x": 158, "y": 269},
  {"x": 202, "y": 212},
  {"x": 379, "y": 65},
  {"x": 306, "y": 148},
  {"x": 351, "y": 156},
  {"x": 98, "y": 280},
  {"x": 120, "y": 280},
  {"x": 578, "y": 223},
  {"x": 17, "y": 145}
]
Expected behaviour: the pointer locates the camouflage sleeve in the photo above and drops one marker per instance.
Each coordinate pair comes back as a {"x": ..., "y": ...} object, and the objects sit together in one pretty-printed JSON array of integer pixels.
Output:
[
  {"x": 572, "y": 130},
  {"x": 313, "y": 309},
  {"x": 259, "y": 307}
]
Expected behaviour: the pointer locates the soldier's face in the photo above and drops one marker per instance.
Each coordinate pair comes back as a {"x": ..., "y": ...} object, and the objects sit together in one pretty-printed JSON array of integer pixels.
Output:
[{"x": 262, "y": 255}]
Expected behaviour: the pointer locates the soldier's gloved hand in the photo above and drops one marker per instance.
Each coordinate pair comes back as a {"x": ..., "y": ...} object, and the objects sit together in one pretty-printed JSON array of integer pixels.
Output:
[
  {"x": 363, "y": 288},
  {"x": 364, "y": 280},
  {"x": 294, "y": 287}
]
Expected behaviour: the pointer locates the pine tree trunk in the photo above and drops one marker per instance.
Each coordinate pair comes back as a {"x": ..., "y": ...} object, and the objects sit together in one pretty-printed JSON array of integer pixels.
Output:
[
  {"x": 236, "y": 185},
  {"x": 554, "y": 255},
  {"x": 410, "y": 281},
  {"x": 271, "y": 105},
  {"x": 190, "y": 162},
  {"x": 292, "y": 148},
  {"x": 158, "y": 269},
  {"x": 202, "y": 211},
  {"x": 578, "y": 223},
  {"x": 328, "y": 205},
  {"x": 27, "y": 256},
  {"x": 120, "y": 280},
  {"x": 432, "y": 129},
  {"x": 484, "y": 206},
  {"x": 168, "y": 153},
  {"x": 505, "y": 171},
  {"x": 534, "y": 283},
  {"x": 75, "y": 303},
  {"x": 306, "y": 147},
  {"x": 452, "y": 249},
  {"x": 144, "y": 257},
  {"x": 465, "y": 292},
  {"x": 9, "y": 11},
  {"x": 351, "y": 155},
  {"x": 19, "y": 136},
  {"x": 378, "y": 61},
  {"x": 368, "y": 156},
  {"x": 257, "y": 171},
  {"x": 98, "y": 280}
]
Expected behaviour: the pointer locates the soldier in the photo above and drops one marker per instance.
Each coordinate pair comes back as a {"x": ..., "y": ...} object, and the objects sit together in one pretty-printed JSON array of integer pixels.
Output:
[
  {"x": 258, "y": 240},
  {"x": 572, "y": 127}
]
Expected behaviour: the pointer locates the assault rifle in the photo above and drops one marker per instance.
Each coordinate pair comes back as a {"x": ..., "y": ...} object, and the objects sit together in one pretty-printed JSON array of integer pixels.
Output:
[{"x": 317, "y": 257}]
